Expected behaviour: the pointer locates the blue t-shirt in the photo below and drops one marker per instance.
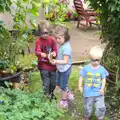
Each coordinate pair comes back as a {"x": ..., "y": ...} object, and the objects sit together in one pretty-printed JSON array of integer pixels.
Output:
[
  {"x": 63, "y": 50},
  {"x": 93, "y": 80}
]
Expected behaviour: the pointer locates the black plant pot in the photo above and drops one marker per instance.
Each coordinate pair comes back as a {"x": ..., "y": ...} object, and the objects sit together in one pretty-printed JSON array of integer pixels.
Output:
[
  {"x": 15, "y": 78},
  {"x": 75, "y": 19}
]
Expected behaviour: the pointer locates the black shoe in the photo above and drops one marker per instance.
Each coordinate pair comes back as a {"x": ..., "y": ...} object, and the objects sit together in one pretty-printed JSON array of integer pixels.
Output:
[{"x": 53, "y": 97}]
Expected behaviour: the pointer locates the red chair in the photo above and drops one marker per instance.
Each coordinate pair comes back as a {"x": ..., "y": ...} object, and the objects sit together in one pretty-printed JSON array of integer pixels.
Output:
[{"x": 86, "y": 14}]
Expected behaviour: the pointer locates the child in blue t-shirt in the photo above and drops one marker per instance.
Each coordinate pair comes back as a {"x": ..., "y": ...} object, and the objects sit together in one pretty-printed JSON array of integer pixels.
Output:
[
  {"x": 63, "y": 63},
  {"x": 94, "y": 76}
]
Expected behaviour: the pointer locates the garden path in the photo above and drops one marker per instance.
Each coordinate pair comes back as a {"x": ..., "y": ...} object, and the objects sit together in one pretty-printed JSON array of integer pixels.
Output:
[{"x": 81, "y": 40}]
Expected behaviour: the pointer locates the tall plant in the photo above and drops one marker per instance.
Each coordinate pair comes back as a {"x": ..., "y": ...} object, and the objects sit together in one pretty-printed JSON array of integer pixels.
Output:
[
  {"x": 110, "y": 21},
  {"x": 12, "y": 44}
]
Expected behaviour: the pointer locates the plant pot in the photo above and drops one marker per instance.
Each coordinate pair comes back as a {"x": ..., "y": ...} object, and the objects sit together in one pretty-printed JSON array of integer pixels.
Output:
[{"x": 15, "y": 78}]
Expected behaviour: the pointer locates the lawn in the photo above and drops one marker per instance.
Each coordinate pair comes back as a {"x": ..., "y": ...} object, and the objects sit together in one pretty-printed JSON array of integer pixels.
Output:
[{"x": 75, "y": 111}]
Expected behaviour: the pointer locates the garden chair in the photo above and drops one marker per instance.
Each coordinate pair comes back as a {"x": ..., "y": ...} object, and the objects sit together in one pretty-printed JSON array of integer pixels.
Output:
[{"x": 88, "y": 15}]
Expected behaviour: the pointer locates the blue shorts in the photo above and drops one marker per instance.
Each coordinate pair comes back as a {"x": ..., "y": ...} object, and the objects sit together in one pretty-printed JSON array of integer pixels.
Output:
[{"x": 62, "y": 79}]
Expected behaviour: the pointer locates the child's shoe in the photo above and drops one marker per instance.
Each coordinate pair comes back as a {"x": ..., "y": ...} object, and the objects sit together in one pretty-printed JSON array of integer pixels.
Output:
[
  {"x": 70, "y": 96},
  {"x": 64, "y": 103},
  {"x": 86, "y": 118},
  {"x": 53, "y": 96}
]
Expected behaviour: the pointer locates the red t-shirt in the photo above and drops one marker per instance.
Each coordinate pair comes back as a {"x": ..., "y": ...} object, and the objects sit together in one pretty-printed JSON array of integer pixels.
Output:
[{"x": 46, "y": 46}]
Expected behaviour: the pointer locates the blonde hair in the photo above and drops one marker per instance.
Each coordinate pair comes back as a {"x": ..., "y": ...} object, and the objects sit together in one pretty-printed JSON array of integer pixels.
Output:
[{"x": 96, "y": 52}]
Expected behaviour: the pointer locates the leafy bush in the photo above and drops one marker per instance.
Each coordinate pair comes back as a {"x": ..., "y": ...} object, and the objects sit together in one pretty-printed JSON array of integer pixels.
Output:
[
  {"x": 113, "y": 102},
  {"x": 110, "y": 21},
  {"x": 15, "y": 41},
  {"x": 21, "y": 105},
  {"x": 57, "y": 11}
]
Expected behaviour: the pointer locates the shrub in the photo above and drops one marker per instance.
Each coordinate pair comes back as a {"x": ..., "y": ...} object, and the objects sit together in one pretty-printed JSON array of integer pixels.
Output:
[{"x": 21, "y": 105}]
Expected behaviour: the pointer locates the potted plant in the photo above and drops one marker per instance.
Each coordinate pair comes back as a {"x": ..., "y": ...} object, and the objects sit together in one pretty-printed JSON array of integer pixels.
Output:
[
  {"x": 14, "y": 42},
  {"x": 10, "y": 48}
]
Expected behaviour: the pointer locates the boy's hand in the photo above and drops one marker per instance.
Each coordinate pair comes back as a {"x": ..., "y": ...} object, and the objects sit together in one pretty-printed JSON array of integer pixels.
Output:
[
  {"x": 53, "y": 54},
  {"x": 101, "y": 91},
  {"x": 44, "y": 55},
  {"x": 53, "y": 62},
  {"x": 80, "y": 89}
]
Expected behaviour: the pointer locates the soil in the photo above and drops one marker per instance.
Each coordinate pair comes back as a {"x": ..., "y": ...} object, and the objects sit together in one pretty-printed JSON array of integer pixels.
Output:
[{"x": 81, "y": 40}]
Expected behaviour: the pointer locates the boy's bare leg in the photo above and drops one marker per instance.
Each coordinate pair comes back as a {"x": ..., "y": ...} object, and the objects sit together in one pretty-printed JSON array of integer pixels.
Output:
[{"x": 64, "y": 95}]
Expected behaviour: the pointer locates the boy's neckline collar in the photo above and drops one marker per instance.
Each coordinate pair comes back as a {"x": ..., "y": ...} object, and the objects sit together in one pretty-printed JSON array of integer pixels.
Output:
[{"x": 97, "y": 67}]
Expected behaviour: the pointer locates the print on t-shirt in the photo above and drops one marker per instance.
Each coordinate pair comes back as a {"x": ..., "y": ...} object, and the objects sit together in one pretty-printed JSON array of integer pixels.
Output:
[{"x": 93, "y": 79}]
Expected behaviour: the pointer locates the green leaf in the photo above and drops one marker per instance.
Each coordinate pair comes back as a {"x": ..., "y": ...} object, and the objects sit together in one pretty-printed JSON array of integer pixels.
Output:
[
  {"x": 26, "y": 1},
  {"x": 34, "y": 11}
]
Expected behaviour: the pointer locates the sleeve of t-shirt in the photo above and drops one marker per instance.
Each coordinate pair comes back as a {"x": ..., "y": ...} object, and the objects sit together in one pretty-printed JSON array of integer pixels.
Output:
[
  {"x": 104, "y": 73},
  {"x": 37, "y": 47},
  {"x": 54, "y": 46},
  {"x": 83, "y": 72},
  {"x": 67, "y": 51}
]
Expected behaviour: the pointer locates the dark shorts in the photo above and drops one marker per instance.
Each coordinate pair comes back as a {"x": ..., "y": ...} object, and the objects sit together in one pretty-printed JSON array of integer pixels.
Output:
[{"x": 62, "y": 79}]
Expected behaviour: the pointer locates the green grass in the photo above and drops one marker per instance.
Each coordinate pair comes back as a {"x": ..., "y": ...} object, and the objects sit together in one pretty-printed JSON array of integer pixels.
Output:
[
  {"x": 27, "y": 60},
  {"x": 36, "y": 84}
]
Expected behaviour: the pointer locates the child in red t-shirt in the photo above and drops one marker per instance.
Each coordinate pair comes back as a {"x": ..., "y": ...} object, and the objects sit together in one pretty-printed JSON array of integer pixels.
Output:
[{"x": 45, "y": 49}]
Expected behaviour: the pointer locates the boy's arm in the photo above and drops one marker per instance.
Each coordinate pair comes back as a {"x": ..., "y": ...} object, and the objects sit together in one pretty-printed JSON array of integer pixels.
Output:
[
  {"x": 80, "y": 88},
  {"x": 103, "y": 77},
  {"x": 103, "y": 83},
  {"x": 38, "y": 50},
  {"x": 103, "y": 86}
]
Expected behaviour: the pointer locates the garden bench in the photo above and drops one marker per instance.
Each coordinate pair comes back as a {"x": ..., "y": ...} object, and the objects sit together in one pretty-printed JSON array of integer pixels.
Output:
[{"x": 89, "y": 16}]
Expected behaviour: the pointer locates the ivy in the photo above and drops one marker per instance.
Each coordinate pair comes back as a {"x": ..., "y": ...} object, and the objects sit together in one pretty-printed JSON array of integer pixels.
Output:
[
  {"x": 109, "y": 11},
  {"x": 21, "y": 105},
  {"x": 5, "y": 5}
]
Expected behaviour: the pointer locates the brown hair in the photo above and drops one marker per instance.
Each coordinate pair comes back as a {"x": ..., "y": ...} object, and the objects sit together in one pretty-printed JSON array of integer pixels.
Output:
[
  {"x": 61, "y": 30},
  {"x": 44, "y": 24},
  {"x": 52, "y": 30}
]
